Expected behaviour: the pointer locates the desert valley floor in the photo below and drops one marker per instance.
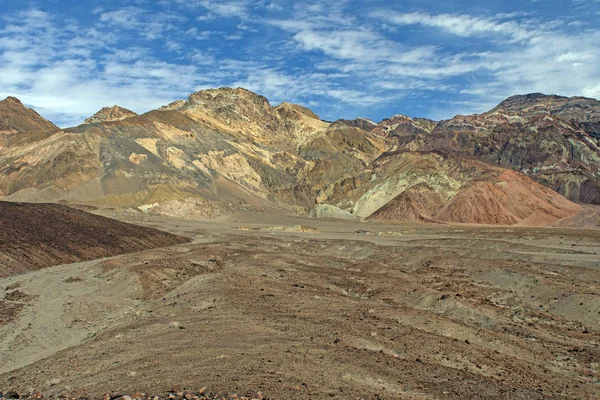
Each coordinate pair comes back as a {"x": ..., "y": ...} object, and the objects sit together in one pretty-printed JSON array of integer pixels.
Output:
[{"x": 298, "y": 308}]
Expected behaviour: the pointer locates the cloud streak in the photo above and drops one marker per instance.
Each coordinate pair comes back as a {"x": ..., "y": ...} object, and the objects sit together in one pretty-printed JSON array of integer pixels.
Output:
[
  {"x": 460, "y": 24},
  {"x": 345, "y": 58}
]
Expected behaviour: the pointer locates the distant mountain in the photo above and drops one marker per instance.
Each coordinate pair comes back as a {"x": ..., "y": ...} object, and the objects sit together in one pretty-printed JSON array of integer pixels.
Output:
[
  {"x": 223, "y": 150},
  {"x": 430, "y": 186},
  {"x": 581, "y": 111},
  {"x": 107, "y": 114},
  {"x": 19, "y": 124},
  {"x": 554, "y": 140}
]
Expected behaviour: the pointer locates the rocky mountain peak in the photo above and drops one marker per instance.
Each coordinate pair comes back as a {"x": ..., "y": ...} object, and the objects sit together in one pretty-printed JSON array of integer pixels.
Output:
[
  {"x": 19, "y": 123},
  {"x": 401, "y": 125},
  {"x": 581, "y": 110},
  {"x": 228, "y": 104},
  {"x": 542, "y": 103},
  {"x": 399, "y": 118},
  {"x": 286, "y": 107},
  {"x": 362, "y": 123},
  {"x": 13, "y": 100},
  {"x": 523, "y": 99},
  {"x": 227, "y": 95},
  {"x": 114, "y": 113},
  {"x": 176, "y": 105}
]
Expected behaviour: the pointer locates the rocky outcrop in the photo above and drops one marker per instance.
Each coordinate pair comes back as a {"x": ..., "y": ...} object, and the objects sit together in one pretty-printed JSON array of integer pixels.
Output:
[
  {"x": 329, "y": 211},
  {"x": 581, "y": 110},
  {"x": 401, "y": 125},
  {"x": 451, "y": 188},
  {"x": 107, "y": 114},
  {"x": 248, "y": 116},
  {"x": 361, "y": 123},
  {"x": 341, "y": 156},
  {"x": 552, "y": 139},
  {"x": 285, "y": 108}
]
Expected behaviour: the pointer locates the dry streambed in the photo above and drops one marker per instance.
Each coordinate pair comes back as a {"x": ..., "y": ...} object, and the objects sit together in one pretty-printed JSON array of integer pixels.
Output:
[{"x": 434, "y": 312}]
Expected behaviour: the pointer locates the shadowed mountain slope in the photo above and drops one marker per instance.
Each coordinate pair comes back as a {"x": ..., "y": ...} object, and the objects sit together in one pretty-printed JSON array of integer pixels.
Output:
[{"x": 107, "y": 114}]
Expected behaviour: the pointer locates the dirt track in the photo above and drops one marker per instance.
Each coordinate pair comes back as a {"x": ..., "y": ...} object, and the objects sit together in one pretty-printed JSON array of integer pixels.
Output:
[{"x": 405, "y": 311}]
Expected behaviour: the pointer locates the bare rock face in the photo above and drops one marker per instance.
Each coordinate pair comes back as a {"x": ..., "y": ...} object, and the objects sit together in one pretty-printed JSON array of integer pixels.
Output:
[
  {"x": 582, "y": 110},
  {"x": 361, "y": 123},
  {"x": 341, "y": 156},
  {"x": 429, "y": 186},
  {"x": 285, "y": 108},
  {"x": 232, "y": 105},
  {"x": 191, "y": 152},
  {"x": 553, "y": 139},
  {"x": 248, "y": 116},
  {"x": 226, "y": 150},
  {"x": 451, "y": 188},
  {"x": 420, "y": 202},
  {"x": 401, "y": 124},
  {"x": 107, "y": 114},
  {"x": 329, "y": 211},
  {"x": 508, "y": 199},
  {"x": 20, "y": 124}
]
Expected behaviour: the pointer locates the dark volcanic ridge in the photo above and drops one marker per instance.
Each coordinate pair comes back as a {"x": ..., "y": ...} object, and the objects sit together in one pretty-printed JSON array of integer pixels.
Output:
[{"x": 35, "y": 236}]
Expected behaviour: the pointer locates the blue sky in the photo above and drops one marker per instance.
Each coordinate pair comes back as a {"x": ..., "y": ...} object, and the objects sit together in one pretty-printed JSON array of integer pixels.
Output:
[{"x": 343, "y": 59}]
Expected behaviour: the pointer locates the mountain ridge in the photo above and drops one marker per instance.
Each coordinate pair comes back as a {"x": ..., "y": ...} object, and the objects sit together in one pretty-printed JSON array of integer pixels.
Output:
[
  {"x": 228, "y": 149},
  {"x": 19, "y": 124},
  {"x": 108, "y": 114}
]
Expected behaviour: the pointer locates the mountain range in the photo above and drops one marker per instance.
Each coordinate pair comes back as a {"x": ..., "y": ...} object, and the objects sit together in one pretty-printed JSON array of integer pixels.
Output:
[{"x": 532, "y": 160}]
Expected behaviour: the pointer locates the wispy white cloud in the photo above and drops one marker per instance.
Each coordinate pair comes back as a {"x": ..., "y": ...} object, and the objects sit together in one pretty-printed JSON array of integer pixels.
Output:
[
  {"x": 149, "y": 25},
  {"x": 461, "y": 24},
  {"x": 555, "y": 62},
  {"x": 346, "y": 57},
  {"x": 69, "y": 71},
  {"x": 227, "y": 9}
]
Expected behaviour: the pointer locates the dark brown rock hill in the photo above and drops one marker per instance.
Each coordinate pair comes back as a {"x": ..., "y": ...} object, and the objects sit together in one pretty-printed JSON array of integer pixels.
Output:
[{"x": 34, "y": 236}]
